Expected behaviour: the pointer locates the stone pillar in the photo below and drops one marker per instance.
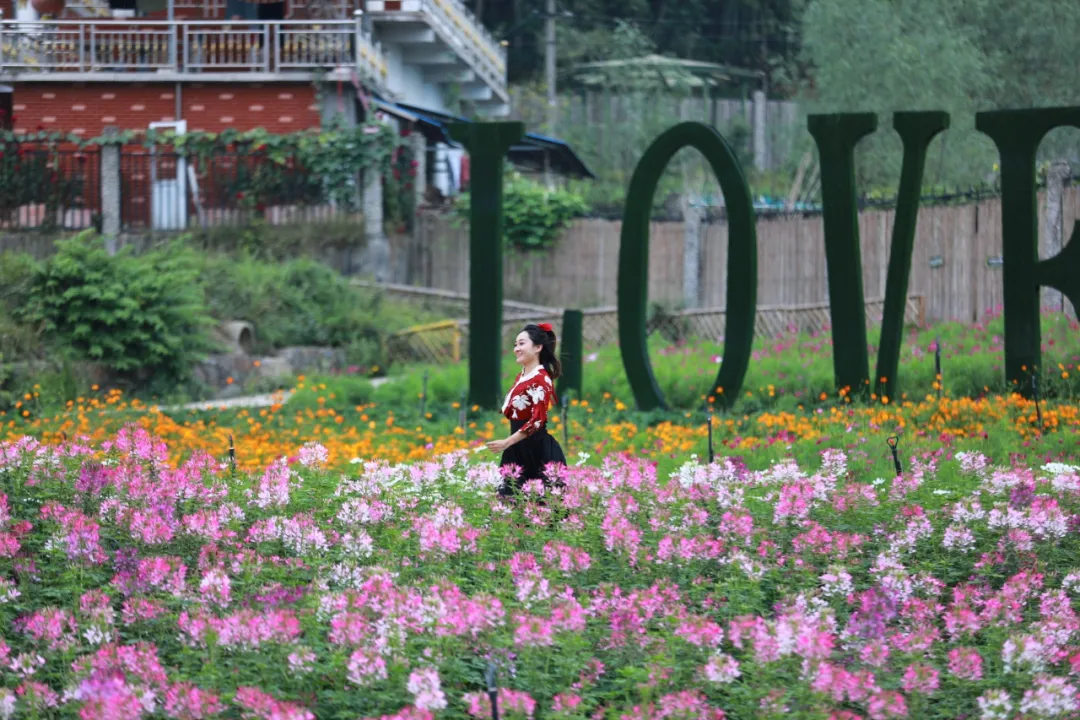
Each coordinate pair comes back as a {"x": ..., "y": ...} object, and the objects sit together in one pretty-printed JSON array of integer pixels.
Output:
[
  {"x": 419, "y": 151},
  {"x": 761, "y": 153},
  {"x": 109, "y": 168},
  {"x": 26, "y": 12},
  {"x": 693, "y": 217},
  {"x": 1053, "y": 239},
  {"x": 377, "y": 246}
]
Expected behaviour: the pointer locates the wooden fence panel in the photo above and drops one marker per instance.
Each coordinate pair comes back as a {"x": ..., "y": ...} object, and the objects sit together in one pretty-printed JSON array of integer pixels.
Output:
[{"x": 949, "y": 264}]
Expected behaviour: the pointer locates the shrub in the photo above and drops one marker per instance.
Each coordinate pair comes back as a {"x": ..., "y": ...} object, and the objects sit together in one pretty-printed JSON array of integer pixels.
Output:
[
  {"x": 265, "y": 241},
  {"x": 140, "y": 317},
  {"x": 18, "y": 339},
  {"x": 533, "y": 216},
  {"x": 302, "y": 302}
]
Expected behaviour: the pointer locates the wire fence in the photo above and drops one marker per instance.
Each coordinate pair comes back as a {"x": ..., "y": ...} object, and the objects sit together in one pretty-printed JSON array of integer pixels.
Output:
[
  {"x": 808, "y": 204},
  {"x": 448, "y": 341},
  {"x": 45, "y": 188}
]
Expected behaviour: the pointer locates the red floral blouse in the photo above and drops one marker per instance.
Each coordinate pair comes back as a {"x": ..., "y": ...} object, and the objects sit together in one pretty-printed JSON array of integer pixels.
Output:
[{"x": 529, "y": 401}]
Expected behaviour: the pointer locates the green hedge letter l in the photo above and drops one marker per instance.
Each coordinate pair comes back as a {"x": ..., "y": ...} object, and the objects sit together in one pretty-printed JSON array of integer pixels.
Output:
[
  {"x": 634, "y": 263},
  {"x": 487, "y": 144}
]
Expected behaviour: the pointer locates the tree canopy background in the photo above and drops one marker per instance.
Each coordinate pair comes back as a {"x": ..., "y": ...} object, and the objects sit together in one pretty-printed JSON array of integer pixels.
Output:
[{"x": 961, "y": 56}]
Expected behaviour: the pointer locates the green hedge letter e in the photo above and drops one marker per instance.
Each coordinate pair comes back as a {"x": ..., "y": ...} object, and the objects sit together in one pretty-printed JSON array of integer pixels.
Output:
[
  {"x": 634, "y": 263},
  {"x": 1017, "y": 134}
]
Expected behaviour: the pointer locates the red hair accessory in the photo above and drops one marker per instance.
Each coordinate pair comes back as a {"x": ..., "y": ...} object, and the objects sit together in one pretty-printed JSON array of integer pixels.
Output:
[{"x": 546, "y": 327}]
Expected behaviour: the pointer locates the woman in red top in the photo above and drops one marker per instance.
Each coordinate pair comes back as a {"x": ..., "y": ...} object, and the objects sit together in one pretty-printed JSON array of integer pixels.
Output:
[{"x": 530, "y": 448}]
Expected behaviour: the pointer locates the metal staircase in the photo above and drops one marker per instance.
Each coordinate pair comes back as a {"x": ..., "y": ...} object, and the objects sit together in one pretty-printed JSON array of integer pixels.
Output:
[{"x": 447, "y": 44}]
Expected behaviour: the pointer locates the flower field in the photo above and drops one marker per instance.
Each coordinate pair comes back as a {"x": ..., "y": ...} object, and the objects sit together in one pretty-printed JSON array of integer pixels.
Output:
[
  {"x": 342, "y": 554},
  {"x": 788, "y": 402},
  {"x": 994, "y": 424},
  {"x": 754, "y": 587}
]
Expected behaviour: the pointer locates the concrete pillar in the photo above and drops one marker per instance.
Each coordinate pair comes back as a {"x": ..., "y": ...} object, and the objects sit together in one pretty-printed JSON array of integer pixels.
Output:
[
  {"x": 26, "y": 12},
  {"x": 109, "y": 168},
  {"x": 1053, "y": 236},
  {"x": 693, "y": 217},
  {"x": 761, "y": 152},
  {"x": 419, "y": 152},
  {"x": 377, "y": 246}
]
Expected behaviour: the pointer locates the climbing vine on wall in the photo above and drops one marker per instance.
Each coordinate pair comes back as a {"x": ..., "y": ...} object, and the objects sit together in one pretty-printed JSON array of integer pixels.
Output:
[
  {"x": 31, "y": 176},
  {"x": 331, "y": 158},
  {"x": 399, "y": 190}
]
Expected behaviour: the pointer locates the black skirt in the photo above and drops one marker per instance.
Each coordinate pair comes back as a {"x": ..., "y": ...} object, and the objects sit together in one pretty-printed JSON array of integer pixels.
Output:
[{"x": 532, "y": 455}]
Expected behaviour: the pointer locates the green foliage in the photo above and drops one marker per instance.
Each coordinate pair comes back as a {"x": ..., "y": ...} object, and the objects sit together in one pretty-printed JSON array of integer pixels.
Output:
[
  {"x": 533, "y": 216},
  {"x": 399, "y": 190},
  {"x": 18, "y": 339},
  {"x": 628, "y": 108},
  {"x": 138, "y": 316},
  {"x": 278, "y": 243},
  {"x": 334, "y": 155},
  {"x": 301, "y": 302},
  {"x": 330, "y": 159},
  {"x": 31, "y": 177},
  {"x": 962, "y": 57},
  {"x": 786, "y": 372},
  {"x": 145, "y": 318},
  {"x": 755, "y": 34}
]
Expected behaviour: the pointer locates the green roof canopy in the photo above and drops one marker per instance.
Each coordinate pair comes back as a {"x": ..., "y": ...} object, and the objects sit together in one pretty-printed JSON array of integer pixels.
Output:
[{"x": 659, "y": 71}]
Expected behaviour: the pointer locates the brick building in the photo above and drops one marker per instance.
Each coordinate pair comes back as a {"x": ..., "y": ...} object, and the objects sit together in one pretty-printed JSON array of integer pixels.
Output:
[
  {"x": 217, "y": 64},
  {"x": 85, "y": 66}
]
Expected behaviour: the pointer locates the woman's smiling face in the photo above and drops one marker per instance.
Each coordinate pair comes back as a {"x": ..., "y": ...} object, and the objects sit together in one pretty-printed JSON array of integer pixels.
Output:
[{"x": 525, "y": 350}]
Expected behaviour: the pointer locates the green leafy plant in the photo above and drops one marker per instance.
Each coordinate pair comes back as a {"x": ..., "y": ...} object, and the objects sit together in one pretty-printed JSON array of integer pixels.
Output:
[
  {"x": 303, "y": 302},
  {"x": 331, "y": 157},
  {"x": 141, "y": 317},
  {"x": 533, "y": 216},
  {"x": 399, "y": 195},
  {"x": 273, "y": 243},
  {"x": 302, "y": 167}
]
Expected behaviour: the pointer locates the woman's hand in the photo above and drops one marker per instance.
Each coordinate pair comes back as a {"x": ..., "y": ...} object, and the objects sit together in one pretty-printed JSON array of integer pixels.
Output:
[{"x": 498, "y": 446}]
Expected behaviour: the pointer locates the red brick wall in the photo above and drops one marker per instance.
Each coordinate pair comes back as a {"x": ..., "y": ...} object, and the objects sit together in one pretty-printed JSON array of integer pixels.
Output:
[{"x": 87, "y": 108}]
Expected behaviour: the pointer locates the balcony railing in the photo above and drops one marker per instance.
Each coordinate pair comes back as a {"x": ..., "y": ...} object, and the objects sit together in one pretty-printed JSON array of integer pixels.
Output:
[
  {"x": 214, "y": 9},
  {"x": 458, "y": 28},
  {"x": 189, "y": 46}
]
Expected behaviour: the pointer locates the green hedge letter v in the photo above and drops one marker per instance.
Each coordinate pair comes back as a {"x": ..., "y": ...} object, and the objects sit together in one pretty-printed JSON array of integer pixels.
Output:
[
  {"x": 836, "y": 137},
  {"x": 916, "y": 130},
  {"x": 634, "y": 262}
]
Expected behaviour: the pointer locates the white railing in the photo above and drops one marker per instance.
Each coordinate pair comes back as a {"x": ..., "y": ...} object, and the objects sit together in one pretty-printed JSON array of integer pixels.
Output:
[
  {"x": 458, "y": 28},
  {"x": 189, "y": 46},
  {"x": 214, "y": 9},
  {"x": 100, "y": 8}
]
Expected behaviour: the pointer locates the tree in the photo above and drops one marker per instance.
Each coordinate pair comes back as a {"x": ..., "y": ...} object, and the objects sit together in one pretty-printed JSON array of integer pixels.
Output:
[
  {"x": 962, "y": 56},
  {"x": 756, "y": 34}
]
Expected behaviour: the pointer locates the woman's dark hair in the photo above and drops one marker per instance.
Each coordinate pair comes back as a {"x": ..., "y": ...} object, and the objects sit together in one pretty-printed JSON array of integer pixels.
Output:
[{"x": 546, "y": 340}]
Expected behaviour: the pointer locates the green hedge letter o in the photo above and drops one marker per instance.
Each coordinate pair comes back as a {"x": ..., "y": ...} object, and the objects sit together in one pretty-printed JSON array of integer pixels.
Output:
[{"x": 634, "y": 262}]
